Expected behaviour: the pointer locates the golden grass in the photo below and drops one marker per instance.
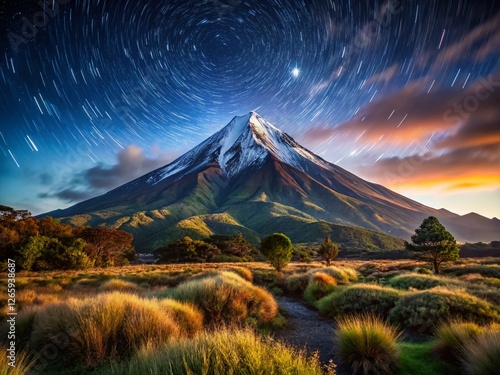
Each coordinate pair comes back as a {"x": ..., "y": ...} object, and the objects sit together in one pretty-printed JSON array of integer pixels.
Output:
[{"x": 367, "y": 345}]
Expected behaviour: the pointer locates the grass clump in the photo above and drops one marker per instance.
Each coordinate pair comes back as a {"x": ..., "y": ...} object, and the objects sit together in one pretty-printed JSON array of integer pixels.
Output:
[
  {"x": 359, "y": 299},
  {"x": 220, "y": 352},
  {"x": 420, "y": 310},
  {"x": 297, "y": 283},
  {"x": 343, "y": 275},
  {"x": 482, "y": 356},
  {"x": 23, "y": 363},
  {"x": 225, "y": 297},
  {"x": 451, "y": 337},
  {"x": 118, "y": 285},
  {"x": 243, "y": 272},
  {"x": 490, "y": 270},
  {"x": 320, "y": 284},
  {"x": 367, "y": 345},
  {"x": 109, "y": 326}
]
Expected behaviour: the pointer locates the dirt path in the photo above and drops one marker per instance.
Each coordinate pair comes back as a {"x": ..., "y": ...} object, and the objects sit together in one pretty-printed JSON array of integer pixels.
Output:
[{"x": 306, "y": 328}]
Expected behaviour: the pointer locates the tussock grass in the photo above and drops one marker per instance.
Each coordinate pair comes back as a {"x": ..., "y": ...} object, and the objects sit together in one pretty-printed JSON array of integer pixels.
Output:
[
  {"x": 320, "y": 284},
  {"x": 220, "y": 352},
  {"x": 451, "y": 337},
  {"x": 23, "y": 365},
  {"x": 225, "y": 297},
  {"x": 367, "y": 345},
  {"x": 482, "y": 356},
  {"x": 486, "y": 270},
  {"x": 297, "y": 283},
  {"x": 118, "y": 285},
  {"x": 111, "y": 326},
  {"x": 243, "y": 272},
  {"x": 422, "y": 309},
  {"x": 359, "y": 299}
]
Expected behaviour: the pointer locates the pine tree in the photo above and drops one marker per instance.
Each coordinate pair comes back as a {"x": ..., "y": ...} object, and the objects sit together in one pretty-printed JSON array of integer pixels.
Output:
[{"x": 433, "y": 243}]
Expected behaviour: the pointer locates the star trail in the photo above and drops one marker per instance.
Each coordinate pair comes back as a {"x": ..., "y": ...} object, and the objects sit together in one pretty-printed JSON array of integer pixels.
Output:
[{"x": 123, "y": 87}]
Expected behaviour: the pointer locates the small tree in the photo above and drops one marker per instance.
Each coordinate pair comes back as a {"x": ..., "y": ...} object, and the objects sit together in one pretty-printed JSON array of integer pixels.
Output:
[
  {"x": 278, "y": 249},
  {"x": 328, "y": 250},
  {"x": 433, "y": 243}
]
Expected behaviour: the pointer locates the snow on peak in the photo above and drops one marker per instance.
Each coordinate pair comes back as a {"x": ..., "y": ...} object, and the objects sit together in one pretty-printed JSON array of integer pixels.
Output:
[{"x": 246, "y": 141}]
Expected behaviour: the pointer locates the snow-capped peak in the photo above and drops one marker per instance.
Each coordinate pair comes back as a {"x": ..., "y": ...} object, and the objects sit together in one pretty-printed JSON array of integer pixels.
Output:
[{"x": 246, "y": 141}]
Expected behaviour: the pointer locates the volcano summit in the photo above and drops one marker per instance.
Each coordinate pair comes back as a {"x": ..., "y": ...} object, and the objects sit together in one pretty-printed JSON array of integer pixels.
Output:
[{"x": 250, "y": 177}]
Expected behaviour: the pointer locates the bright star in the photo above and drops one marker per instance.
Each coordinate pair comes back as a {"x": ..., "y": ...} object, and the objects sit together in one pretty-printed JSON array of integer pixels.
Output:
[{"x": 295, "y": 72}]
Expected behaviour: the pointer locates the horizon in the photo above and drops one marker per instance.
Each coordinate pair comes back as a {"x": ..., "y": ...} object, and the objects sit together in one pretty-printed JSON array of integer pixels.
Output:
[{"x": 400, "y": 94}]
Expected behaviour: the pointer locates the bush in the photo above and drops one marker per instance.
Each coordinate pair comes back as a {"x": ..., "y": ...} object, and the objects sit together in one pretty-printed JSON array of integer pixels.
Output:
[
  {"x": 482, "y": 356},
  {"x": 297, "y": 283},
  {"x": 225, "y": 297},
  {"x": 367, "y": 345},
  {"x": 222, "y": 352},
  {"x": 359, "y": 299},
  {"x": 320, "y": 284},
  {"x": 450, "y": 338},
  {"x": 420, "y": 310},
  {"x": 419, "y": 281},
  {"x": 108, "y": 326}
]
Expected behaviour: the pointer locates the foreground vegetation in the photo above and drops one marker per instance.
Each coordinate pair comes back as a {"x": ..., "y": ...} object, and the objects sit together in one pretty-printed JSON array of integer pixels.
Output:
[{"x": 155, "y": 318}]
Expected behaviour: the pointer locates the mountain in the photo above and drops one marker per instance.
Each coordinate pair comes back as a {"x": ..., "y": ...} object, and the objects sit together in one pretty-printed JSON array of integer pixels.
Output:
[{"x": 252, "y": 177}]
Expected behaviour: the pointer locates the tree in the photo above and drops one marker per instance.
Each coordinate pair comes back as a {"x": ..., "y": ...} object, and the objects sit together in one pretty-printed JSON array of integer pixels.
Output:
[
  {"x": 235, "y": 245},
  {"x": 433, "y": 243},
  {"x": 278, "y": 249},
  {"x": 187, "y": 250},
  {"x": 328, "y": 250}
]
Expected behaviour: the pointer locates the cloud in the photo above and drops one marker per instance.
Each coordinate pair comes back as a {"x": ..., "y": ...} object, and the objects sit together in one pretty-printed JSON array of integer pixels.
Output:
[
  {"x": 131, "y": 163},
  {"x": 384, "y": 76},
  {"x": 484, "y": 39}
]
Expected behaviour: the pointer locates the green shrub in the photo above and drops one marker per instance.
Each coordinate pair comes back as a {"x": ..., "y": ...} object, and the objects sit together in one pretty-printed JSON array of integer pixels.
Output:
[
  {"x": 220, "y": 352},
  {"x": 367, "y": 345},
  {"x": 419, "y": 281},
  {"x": 420, "y": 310},
  {"x": 359, "y": 299},
  {"x": 108, "y": 326},
  {"x": 482, "y": 356},
  {"x": 320, "y": 284},
  {"x": 278, "y": 250},
  {"x": 225, "y": 297},
  {"x": 450, "y": 338}
]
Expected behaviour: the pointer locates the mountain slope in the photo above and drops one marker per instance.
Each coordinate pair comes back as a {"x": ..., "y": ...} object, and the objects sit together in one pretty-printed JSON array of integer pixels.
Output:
[{"x": 262, "y": 181}]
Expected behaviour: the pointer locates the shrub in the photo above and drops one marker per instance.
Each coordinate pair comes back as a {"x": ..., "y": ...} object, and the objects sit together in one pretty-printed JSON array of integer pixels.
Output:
[
  {"x": 482, "y": 356},
  {"x": 420, "y": 310},
  {"x": 278, "y": 250},
  {"x": 328, "y": 250},
  {"x": 359, "y": 299},
  {"x": 225, "y": 297},
  {"x": 222, "y": 352},
  {"x": 367, "y": 345},
  {"x": 451, "y": 337},
  {"x": 118, "y": 285},
  {"x": 484, "y": 270},
  {"x": 320, "y": 284},
  {"x": 419, "y": 281},
  {"x": 108, "y": 326}
]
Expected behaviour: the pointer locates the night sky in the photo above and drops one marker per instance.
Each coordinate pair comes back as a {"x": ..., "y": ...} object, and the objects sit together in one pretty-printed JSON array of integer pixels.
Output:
[{"x": 402, "y": 93}]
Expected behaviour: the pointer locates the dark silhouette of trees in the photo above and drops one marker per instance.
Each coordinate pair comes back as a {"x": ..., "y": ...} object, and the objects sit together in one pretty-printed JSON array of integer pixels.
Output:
[{"x": 187, "y": 250}]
